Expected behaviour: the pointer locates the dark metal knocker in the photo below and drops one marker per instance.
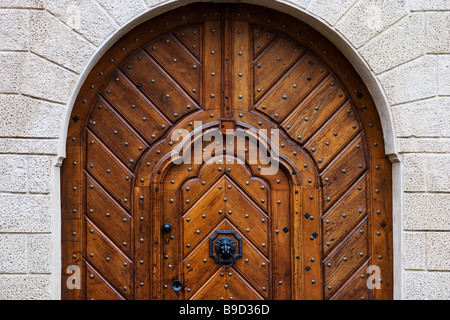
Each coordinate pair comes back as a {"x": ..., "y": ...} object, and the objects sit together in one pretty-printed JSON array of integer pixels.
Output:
[{"x": 223, "y": 250}]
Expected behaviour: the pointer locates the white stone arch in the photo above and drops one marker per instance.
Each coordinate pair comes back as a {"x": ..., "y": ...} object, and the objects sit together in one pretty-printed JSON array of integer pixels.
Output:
[{"x": 319, "y": 20}]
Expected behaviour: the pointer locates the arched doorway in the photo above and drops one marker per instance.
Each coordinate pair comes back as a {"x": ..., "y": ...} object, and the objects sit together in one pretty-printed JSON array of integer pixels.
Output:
[{"x": 138, "y": 224}]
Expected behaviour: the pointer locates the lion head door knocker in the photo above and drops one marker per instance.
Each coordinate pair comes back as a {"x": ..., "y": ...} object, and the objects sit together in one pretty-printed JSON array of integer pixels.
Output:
[{"x": 224, "y": 249}]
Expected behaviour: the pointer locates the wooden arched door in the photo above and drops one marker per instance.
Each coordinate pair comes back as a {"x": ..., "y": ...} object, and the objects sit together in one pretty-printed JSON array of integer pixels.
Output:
[{"x": 142, "y": 219}]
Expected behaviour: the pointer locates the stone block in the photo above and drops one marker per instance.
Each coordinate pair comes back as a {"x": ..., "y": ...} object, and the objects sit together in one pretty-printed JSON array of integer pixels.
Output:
[
  {"x": 13, "y": 253},
  {"x": 330, "y": 11},
  {"x": 298, "y": 3},
  {"x": 411, "y": 81},
  {"x": 86, "y": 17},
  {"x": 25, "y": 213},
  {"x": 46, "y": 80},
  {"x": 427, "y": 118},
  {"x": 29, "y": 4},
  {"x": 27, "y": 287},
  {"x": 14, "y": 30},
  {"x": 437, "y": 32},
  {"x": 40, "y": 254},
  {"x": 426, "y": 212},
  {"x": 424, "y": 145},
  {"x": 40, "y": 171},
  {"x": 52, "y": 39},
  {"x": 444, "y": 74},
  {"x": 30, "y": 118},
  {"x": 123, "y": 10},
  {"x": 10, "y": 65},
  {"x": 438, "y": 251},
  {"x": 414, "y": 250},
  {"x": 400, "y": 43},
  {"x": 28, "y": 146},
  {"x": 367, "y": 18},
  {"x": 424, "y": 5},
  {"x": 426, "y": 285},
  {"x": 414, "y": 172},
  {"x": 438, "y": 173},
  {"x": 13, "y": 173}
]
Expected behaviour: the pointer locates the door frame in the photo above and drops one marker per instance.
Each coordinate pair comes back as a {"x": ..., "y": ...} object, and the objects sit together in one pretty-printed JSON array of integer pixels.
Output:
[{"x": 351, "y": 54}]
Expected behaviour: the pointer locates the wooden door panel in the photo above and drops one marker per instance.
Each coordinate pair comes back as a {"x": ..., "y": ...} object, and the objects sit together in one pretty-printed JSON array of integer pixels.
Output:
[
  {"x": 312, "y": 113},
  {"x": 201, "y": 269},
  {"x": 355, "y": 287},
  {"x": 261, "y": 38},
  {"x": 274, "y": 63},
  {"x": 109, "y": 260},
  {"x": 212, "y": 207},
  {"x": 239, "y": 289},
  {"x": 333, "y": 136},
  {"x": 109, "y": 171},
  {"x": 135, "y": 108},
  {"x": 293, "y": 87},
  {"x": 191, "y": 37},
  {"x": 109, "y": 216},
  {"x": 342, "y": 172},
  {"x": 255, "y": 268},
  {"x": 175, "y": 58},
  {"x": 213, "y": 289},
  {"x": 247, "y": 217},
  {"x": 113, "y": 132},
  {"x": 158, "y": 86},
  {"x": 97, "y": 287},
  {"x": 140, "y": 225},
  {"x": 346, "y": 258},
  {"x": 348, "y": 211}
]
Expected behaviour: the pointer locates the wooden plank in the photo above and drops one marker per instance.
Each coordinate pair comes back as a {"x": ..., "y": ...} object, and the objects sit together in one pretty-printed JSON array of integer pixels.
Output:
[
  {"x": 142, "y": 243},
  {"x": 312, "y": 256}
]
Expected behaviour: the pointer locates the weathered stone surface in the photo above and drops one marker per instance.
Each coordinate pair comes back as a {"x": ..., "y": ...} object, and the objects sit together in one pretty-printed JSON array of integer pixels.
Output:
[
  {"x": 297, "y": 3},
  {"x": 427, "y": 285},
  {"x": 426, "y": 172},
  {"x": 437, "y": 32},
  {"x": 25, "y": 213},
  {"x": 26, "y": 117},
  {"x": 388, "y": 49},
  {"x": 414, "y": 170},
  {"x": 13, "y": 253},
  {"x": 414, "y": 250},
  {"x": 13, "y": 173},
  {"x": 329, "y": 11},
  {"x": 25, "y": 287},
  {"x": 412, "y": 145},
  {"x": 438, "y": 251},
  {"x": 28, "y": 146},
  {"x": 368, "y": 18},
  {"x": 444, "y": 74},
  {"x": 422, "y": 5},
  {"x": 14, "y": 30},
  {"x": 428, "y": 118},
  {"x": 426, "y": 211},
  {"x": 123, "y": 10},
  {"x": 30, "y": 4},
  {"x": 52, "y": 39},
  {"x": 86, "y": 17},
  {"x": 40, "y": 170},
  {"x": 40, "y": 253},
  {"x": 10, "y": 65},
  {"x": 438, "y": 173},
  {"x": 46, "y": 80}
]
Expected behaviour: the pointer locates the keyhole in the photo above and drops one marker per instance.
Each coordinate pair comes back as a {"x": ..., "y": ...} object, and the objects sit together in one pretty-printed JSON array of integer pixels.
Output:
[{"x": 177, "y": 285}]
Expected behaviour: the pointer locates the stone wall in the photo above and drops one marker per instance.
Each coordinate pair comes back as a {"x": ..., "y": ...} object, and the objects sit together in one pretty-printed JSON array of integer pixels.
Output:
[{"x": 402, "y": 47}]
